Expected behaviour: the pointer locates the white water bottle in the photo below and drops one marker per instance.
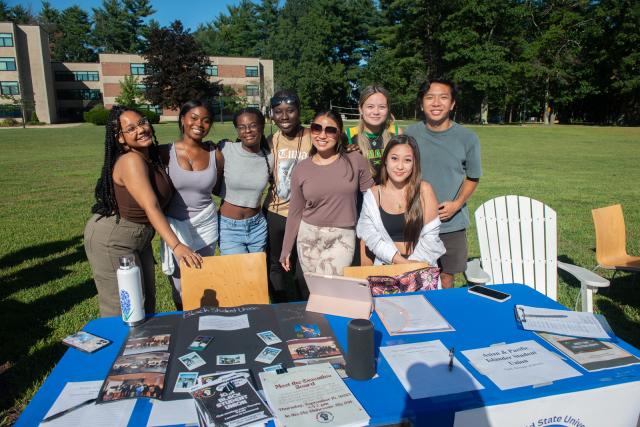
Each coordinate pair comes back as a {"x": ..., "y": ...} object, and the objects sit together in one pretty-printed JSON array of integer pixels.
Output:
[{"x": 130, "y": 290}]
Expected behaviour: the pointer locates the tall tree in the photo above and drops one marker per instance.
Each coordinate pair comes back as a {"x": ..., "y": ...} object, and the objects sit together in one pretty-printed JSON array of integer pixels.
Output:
[
  {"x": 176, "y": 68},
  {"x": 49, "y": 18},
  {"x": 74, "y": 43},
  {"x": 119, "y": 25},
  {"x": 20, "y": 14}
]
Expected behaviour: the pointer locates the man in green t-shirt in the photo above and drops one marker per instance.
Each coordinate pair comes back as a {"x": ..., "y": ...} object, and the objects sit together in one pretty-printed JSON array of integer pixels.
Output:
[{"x": 450, "y": 162}]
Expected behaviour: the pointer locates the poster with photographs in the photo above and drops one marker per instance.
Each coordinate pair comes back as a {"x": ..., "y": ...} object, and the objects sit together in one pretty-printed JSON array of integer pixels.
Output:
[
  {"x": 141, "y": 367},
  {"x": 309, "y": 351}
]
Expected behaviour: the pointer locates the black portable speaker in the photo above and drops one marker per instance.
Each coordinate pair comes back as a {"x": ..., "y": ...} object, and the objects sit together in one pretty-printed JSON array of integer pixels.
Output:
[{"x": 361, "y": 363}]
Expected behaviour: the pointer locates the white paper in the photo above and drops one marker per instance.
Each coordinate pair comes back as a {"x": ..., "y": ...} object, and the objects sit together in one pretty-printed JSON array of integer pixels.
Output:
[
  {"x": 104, "y": 414},
  {"x": 423, "y": 370},
  {"x": 563, "y": 322},
  {"x": 312, "y": 395},
  {"x": 223, "y": 323},
  {"x": 174, "y": 412},
  {"x": 519, "y": 364},
  {"x": 410, "y": 314}
]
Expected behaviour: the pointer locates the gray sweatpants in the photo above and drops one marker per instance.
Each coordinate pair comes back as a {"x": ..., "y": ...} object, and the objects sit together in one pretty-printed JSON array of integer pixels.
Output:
[{"x": 104, "y": 242}]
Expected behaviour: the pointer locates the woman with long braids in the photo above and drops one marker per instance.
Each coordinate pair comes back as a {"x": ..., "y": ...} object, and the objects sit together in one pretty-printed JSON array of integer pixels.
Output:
[
  {"x": 376, "y": 126},
  {"x": 399, "y": 219},
  {"x": 195, "y": 167},
  {"x": 247, "y": 171},
  {"x": 130, "y": 194},
  {"x": 324, "y": 189},
  {"x": 291, "y": 144}
]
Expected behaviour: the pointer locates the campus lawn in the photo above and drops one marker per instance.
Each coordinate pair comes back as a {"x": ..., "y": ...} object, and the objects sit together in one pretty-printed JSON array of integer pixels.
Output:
[{"x": 47, "y": 178}]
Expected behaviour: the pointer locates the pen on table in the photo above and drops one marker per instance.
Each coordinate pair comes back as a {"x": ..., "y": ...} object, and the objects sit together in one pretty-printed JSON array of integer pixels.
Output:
[
  {"x": 451, "y": 351},
  {"x": 66, "y": 411}
]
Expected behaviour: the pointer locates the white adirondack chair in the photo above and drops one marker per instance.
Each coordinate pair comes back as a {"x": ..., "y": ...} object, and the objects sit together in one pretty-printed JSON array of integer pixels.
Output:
[{"x": 518, "y": 244}]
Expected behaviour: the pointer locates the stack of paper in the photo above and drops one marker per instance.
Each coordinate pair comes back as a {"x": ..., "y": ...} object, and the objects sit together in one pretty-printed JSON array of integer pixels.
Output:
[
  {"x": 563, "y": 322},
  {"x": 312, "y": 395},
  {"x": 410, "y": 314}
]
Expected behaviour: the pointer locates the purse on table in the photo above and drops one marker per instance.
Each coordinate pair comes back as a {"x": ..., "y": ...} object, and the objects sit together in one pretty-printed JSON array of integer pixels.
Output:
[{"x": 424, "y": 279}]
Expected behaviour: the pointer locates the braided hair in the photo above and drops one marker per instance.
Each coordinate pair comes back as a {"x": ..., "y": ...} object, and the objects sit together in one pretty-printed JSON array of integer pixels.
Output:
[
  {"x": 106, "y": 204},
  {"x": 264, "y": 145}
]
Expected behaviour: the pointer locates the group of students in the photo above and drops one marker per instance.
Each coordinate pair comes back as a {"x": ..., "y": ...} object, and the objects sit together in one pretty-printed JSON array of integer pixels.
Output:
[{"x": 327, "y": 187}]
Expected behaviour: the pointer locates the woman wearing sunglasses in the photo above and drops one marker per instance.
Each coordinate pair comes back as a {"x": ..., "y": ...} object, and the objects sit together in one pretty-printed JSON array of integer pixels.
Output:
[
  {"x": 399, "y": 220},
  {"x": 130, "y": 194},
  {"x": 291, "y": 144},
  {"x": 247, "y": 167},
  {"x": 324, "y": 189},
  {"x": 194, "y": 166},
  {"x": 376, "y": 125}
]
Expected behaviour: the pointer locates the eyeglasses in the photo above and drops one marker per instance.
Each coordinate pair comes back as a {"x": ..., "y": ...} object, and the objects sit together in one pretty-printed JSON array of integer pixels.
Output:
[
  {"x": 143, "y": 123},
  {"x": 330, "y": 131},
  {"x": 286, "y": 99},
  {"x": 243, "y": 128}
]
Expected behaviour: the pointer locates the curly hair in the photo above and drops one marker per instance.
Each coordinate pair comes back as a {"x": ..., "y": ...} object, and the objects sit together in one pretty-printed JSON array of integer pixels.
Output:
[{"x": 106, "y": 204}]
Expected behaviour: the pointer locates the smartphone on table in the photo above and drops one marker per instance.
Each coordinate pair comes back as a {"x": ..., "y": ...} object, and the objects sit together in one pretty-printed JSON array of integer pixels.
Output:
[{"x": 487, "y": 292}]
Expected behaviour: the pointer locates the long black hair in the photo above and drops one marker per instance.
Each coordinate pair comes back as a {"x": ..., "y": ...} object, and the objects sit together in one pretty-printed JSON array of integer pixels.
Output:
[
  {"x": 264, "y": 145},
  {"x": 340, "y": 147},
  {"x": 106, "y": 204}
]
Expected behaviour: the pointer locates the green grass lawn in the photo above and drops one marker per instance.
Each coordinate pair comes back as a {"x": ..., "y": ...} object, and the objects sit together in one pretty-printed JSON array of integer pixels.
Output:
[{"x": 47, "y": 178}]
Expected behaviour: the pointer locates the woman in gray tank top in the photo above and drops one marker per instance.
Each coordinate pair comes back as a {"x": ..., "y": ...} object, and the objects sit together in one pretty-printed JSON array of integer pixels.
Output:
[
  {"x": 194, "y": 166},
  {"x": 247, "y": 171}
]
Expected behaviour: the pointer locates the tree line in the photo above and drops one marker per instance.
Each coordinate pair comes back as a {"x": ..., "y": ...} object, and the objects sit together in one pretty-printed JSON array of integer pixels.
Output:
[{"x": 575, "y": 61}]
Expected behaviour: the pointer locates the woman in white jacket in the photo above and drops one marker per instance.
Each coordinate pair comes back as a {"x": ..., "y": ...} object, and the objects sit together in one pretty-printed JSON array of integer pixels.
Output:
[{"x": 399, "y": 219}]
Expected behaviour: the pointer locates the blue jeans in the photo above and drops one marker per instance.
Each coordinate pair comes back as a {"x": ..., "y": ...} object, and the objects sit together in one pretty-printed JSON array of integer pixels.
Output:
[{"x": 241, "y": 236}]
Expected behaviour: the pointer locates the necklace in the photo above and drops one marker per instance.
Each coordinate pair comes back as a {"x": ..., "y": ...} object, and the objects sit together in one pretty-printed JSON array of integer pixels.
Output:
[{"x": 394, "y": 200}]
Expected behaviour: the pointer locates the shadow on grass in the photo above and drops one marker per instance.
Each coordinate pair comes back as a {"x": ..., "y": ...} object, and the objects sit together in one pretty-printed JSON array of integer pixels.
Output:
[
  {"x": 43, "y": 272},
  {"x": 38, "y": 251}
]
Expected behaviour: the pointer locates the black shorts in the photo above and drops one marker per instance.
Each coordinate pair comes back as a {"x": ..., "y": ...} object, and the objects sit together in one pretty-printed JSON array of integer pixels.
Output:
[{"x": 455, "y": 259}]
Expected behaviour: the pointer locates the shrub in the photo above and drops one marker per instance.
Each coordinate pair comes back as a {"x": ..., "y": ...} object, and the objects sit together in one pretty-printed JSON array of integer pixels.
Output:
[
  {"x": 98, "y": 115},
  {"x": 7, "y": 123},
  {"x": 34, "y": 120},
  {"x": 152, "y": 116}
]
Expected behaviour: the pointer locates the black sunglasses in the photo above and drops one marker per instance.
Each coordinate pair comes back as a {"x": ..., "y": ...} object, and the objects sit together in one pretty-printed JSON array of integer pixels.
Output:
[
  {"x": 317, "y": 129},
  {"x": 286, "y": 99}
]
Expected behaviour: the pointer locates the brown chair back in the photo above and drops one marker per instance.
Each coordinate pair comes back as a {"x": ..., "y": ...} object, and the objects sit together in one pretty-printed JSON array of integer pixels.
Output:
[
  {"x": 611, "y": 241},
  {"x": 382, "y": 270},
  {"x": 226, "y": 281}
]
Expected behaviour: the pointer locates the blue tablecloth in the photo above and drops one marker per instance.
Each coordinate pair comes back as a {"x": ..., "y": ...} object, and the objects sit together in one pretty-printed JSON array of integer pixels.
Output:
[{"x": 478, "y": 322}]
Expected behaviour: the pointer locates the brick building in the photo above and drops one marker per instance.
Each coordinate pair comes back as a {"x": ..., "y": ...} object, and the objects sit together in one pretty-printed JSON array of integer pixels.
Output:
[{"x": 62, "y": 91}]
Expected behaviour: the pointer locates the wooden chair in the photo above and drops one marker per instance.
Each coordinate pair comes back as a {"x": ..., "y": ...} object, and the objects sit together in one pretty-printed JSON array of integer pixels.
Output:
[
  {"x": 611, "y": 241},
  {"x": 226, "y": 281},
  {"x": 518, "y": 244},
  {"x": 363, "y": 272}
]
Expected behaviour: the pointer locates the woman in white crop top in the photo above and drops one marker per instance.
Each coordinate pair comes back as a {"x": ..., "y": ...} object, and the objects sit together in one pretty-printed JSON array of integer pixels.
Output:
[{"x": 247, "y": 171}]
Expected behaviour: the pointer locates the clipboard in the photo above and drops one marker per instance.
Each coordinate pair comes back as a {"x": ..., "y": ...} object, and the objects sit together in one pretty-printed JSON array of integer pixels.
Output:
[{"x": 338, "y": 295}]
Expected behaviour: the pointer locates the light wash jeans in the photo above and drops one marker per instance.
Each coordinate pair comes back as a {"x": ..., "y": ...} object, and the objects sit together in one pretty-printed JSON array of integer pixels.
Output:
[{"x": 241, "y": 236}]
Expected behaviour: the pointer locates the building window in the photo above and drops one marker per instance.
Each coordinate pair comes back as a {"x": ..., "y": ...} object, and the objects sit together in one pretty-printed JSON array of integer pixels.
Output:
[
  {"x": 138, "y": 69},
  {"x": 212, "y": 70},
  {"x": 7, "y": 64},
  {"x": 140, "y": 86},
  {"x": 251, "y": 71},
  {"x": 6, "y": 39},
  {"x": 155, "y": 108},
  {"x": 252, "y": 90},
  {"x": 9, "y": 88},
  {"x": 77, "y": 76},
  {"x": 80, "y": 94},
  {"x": 253, "y": 106}
]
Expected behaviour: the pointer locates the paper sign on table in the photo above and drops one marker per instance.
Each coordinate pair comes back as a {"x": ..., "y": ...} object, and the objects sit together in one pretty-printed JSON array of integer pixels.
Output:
[
  {"x": 519, "y": 364},
  {"x": 107, "y": 414},
  {"x": 423, "y": 370},
  {"x": 563, "y": 322}
]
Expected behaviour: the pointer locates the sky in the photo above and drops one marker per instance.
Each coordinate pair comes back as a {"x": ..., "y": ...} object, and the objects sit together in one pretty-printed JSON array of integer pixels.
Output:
[{"x": 190, "y": 12}]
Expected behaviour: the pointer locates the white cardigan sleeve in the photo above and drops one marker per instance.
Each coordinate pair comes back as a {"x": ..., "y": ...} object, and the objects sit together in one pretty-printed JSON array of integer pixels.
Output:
[
  {"x": 372, "y": 232},
  {"x": 429, "y": 247}
]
